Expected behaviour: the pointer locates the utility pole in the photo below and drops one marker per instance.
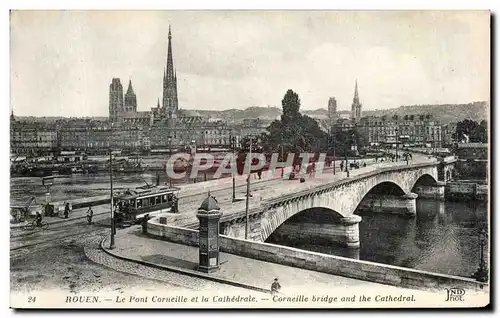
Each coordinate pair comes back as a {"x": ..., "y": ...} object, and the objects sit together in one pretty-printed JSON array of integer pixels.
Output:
[
  {"x": 170, "y": 158},
  {"x": 232, "y": 141},
  {"x": 248, "y": 189},
  {"x": 397, "y": 141},
  {"x": 333, "y": 142},
  {"x": 113, "y": 225}
]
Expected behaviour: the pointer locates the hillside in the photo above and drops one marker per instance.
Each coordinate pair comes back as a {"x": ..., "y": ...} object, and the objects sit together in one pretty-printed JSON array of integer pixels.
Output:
[{"x": 446, "y": 113}]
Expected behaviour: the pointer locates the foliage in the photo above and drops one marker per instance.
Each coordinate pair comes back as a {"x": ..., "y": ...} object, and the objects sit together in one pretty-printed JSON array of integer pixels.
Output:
[
  {"x": 294, "y": 133},
  {"x": 474, "y": 131},
  {"x": 343, "y": 142}
]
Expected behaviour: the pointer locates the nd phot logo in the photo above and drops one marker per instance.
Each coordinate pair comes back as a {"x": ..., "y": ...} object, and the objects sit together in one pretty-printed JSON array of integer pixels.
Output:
[{"x": 455, "y": 294}]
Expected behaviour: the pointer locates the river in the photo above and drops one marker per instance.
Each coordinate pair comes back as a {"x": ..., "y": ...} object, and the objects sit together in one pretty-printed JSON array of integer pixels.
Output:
[{"x": 442, "y": 238}]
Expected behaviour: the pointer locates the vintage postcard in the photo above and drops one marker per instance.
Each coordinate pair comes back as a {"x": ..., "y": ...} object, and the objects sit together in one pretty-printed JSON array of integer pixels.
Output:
[{"x": 249, "y": 159}]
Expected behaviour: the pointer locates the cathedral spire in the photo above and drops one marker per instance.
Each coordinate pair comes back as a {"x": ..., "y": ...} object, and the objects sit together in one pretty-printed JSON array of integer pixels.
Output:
[
  {"x": 356, "y": 96},
  {"x": 170, "y": 101},
  {"x": 130, "y": 90},
  {"x": 356, "y": 105}
]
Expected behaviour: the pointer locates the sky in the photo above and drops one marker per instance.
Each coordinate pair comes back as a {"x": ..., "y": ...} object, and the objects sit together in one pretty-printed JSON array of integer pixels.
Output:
[{"x": 62, "y": 62}]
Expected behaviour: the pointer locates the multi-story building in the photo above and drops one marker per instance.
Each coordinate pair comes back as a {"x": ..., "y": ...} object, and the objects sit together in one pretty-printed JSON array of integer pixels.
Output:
[
  {"x": 32, "y": 138},
  {"x": 410, "y": 130},
  {"x": 252, "y": 127}
]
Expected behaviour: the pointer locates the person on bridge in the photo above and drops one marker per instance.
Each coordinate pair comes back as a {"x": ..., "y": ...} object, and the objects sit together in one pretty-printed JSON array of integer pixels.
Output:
[
  {"x": 66, "y": 210},
  {"x": 90, "y": 214},
  {"x": 275, "y": 286},
  {"x": 144, "y": 224},
  {"x": 38, "y": 219}
]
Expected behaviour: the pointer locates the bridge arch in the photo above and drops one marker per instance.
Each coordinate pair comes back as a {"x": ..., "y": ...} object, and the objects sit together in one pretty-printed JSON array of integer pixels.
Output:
[
  {"x": 382, "y": 188},
  {"x": 424, "y": 180},
  {"x": 284, "y": 213}
]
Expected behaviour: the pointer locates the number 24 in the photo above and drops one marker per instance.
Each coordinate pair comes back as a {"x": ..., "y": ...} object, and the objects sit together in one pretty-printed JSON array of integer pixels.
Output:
[{"x": 31, "y": 299}]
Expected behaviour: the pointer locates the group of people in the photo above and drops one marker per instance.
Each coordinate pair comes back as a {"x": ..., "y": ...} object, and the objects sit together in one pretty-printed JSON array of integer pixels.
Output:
[{"x": 90, "y": 215}]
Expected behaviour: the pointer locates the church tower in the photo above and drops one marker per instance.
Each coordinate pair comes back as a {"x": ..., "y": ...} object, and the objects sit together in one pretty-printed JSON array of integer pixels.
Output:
[
  {"x": 356, "y": 105},
  {"x": 332, "y": 110},
  {"x": 170, "y": 102},
  {"x": 115, "y": 100},
  {"x": 130, "y": 99}
]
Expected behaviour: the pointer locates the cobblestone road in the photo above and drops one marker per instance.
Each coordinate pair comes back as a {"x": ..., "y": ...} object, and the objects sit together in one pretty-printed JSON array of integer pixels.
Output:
[{"x": 97, "y": 255}]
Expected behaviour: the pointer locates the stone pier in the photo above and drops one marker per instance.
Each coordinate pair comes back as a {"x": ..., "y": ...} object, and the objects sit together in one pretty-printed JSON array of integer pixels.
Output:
[
  {"x": 394, "y": 204},
  {"x": 431, "y": 191},
  {"x": 343, "y": 232}
]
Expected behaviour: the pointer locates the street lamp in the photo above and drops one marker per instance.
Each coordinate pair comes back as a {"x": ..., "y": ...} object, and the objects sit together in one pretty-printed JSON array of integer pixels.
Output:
[
  {"x": 170, "y": 157},
  {"x": 248, "y": 185},
  {"x": 113, "y": 225},
  {"x": 481, "y": 274},
  {"x": 355, "y": 147},
  {"x": 333, "y": 144},
  {"x": 397, "y": 141},
  {"x": 232, "y": 140}
]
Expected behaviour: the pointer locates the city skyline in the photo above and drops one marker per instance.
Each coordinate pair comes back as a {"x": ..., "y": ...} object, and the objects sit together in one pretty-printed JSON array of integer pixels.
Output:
[{"x": 238, "y": 60}]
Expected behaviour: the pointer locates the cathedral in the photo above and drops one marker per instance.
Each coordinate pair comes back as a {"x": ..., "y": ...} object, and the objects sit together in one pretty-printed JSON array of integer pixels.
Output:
[
  {"x": 354, "y": 114},
  {"x": 123, "y": 109}
]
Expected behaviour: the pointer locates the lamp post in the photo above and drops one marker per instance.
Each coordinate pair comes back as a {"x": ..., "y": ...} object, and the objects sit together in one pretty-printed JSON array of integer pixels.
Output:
[
  {"x": 248, "y": 186},
  {"x": 397, "y": 141},
  {"x": 170, "y": 158},
  {"x": 354, "y": 146},
  {"x": 333, "y": 142},
  {"x": 481, "y": 274},
  {"x": 232, "y": 141},
  {"x": 113, "y": 225}
]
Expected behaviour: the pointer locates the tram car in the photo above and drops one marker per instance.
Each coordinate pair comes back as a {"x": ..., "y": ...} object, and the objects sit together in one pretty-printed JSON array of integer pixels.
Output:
[{"x": 132, "y": 205}]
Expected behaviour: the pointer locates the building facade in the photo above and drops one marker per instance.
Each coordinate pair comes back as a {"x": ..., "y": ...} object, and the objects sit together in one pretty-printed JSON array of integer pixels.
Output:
[{"x": 411, "y": 130}]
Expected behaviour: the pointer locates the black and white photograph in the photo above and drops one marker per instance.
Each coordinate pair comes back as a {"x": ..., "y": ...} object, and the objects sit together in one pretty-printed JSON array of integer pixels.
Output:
[{"x": 249, "y": 159}]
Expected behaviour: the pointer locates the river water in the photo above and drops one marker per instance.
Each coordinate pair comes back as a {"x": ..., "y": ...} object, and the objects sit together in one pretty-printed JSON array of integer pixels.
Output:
[{"x": 442, "y": 238}]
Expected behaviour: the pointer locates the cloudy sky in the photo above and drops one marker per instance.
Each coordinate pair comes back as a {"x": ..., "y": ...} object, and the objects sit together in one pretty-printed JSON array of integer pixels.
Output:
[{"x": 62, "y": 62}]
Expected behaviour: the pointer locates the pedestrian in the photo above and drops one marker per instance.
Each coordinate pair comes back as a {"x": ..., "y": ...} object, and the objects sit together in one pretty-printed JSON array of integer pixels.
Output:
[
  {"x": 66, "y": 210},
  {"x": 90, "y": 214},
  {"x": 144, "y": 223},
  {"x": 38, "y": 219},
  {"x": 259, "y": 173},
  {"x": 275, "y": 286}
]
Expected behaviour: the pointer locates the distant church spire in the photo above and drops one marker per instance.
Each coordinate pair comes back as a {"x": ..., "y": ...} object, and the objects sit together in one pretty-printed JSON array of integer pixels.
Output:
[
  {"x": 356, "y": 105},
  {"x": 130, "y": 98},
  {"x": 356, "y": 96},
  {"x": 170, "y": 101}
]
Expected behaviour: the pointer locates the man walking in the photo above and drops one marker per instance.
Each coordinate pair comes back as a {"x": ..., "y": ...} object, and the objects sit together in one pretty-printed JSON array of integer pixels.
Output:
[
  {"x": 90, "y": 214},
  {"x": 66, "y": 210},
  {"x": 275, "y": 286}
]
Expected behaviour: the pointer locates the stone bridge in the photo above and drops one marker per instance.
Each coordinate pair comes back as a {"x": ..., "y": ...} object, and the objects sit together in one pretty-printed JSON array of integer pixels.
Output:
[{"x": 392, "y": 189}]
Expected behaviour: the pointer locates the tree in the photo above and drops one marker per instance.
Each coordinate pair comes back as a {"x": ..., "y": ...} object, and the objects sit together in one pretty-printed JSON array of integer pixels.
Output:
[
  {"x": 474, "y": 131},
  {"x": 294, "y": 133},
  {"x": 291, "y": 106}
]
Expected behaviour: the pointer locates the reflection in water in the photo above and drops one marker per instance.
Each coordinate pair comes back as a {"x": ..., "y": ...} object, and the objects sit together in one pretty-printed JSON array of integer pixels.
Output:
[{"x": 442, "y": 238}]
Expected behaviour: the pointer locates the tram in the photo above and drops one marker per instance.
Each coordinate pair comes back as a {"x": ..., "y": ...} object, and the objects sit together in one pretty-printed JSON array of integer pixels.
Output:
[{"x": 132, "y": 205}]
